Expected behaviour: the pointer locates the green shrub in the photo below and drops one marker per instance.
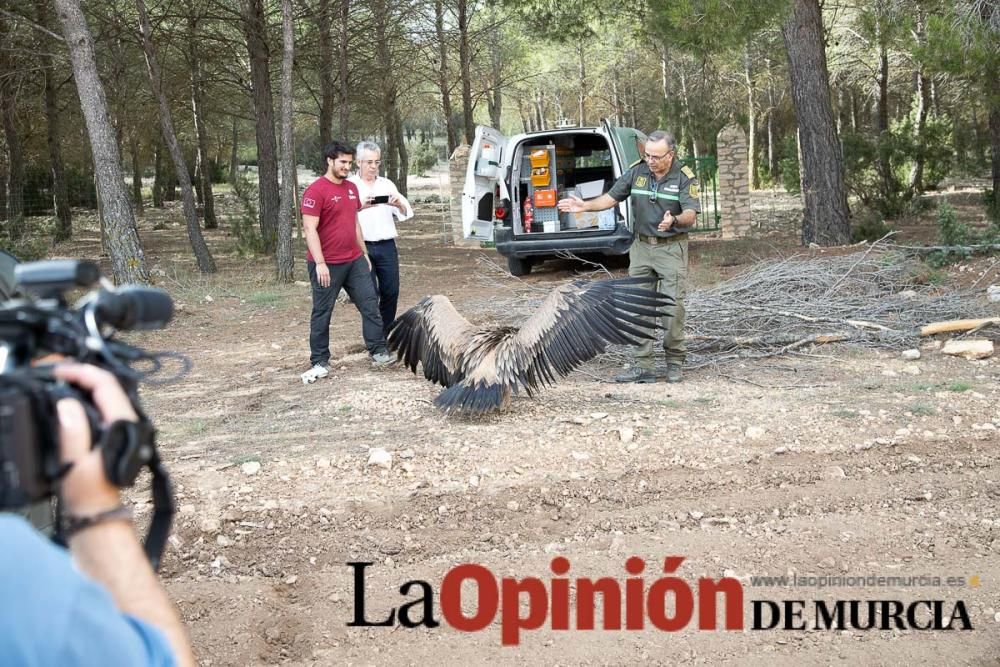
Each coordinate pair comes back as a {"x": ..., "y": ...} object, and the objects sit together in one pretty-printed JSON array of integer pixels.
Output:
[
  {"x": 245, "y": 223},
  {"x": 869, "y": 226},
  {"x": 38, "y": 189},
  {"x": 31, "y": 246},
  {"x": 951, "y": 232},
  {"x": 862, "y": 155},
  {"x": 992, "y": 205},
  {"x": 423, "y": 157},
  {"x": 899, "y": 149},
  {"x": 788, "y": 165}
]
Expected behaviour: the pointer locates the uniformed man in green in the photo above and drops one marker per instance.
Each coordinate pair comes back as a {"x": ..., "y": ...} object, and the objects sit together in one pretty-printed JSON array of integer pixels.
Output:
[{"x": 664, "y": 207}]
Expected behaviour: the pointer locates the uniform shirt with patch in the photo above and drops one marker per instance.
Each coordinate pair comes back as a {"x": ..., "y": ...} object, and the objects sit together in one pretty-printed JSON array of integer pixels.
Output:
[
  {"x": 676, "y": 192},
  {"x": 336, "y": 205}
]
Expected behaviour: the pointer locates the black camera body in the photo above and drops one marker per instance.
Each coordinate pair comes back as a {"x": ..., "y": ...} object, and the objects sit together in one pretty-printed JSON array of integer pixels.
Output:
[{"x": 35, "y": 321}]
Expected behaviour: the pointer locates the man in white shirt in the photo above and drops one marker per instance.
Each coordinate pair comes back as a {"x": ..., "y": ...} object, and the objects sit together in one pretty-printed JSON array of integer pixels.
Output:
[{"x": 382, "y": 205}]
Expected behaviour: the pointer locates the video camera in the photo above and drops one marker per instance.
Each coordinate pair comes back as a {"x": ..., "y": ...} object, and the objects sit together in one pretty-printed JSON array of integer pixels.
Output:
[{"x": 35, "y": 321}]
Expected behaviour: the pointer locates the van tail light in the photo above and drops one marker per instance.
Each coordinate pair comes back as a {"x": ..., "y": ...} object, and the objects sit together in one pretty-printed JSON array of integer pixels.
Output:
[{"x": 502, "y": 209}]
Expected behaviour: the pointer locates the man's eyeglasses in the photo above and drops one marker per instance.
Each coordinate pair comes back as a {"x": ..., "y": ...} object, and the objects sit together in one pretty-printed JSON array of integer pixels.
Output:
[
  {"x": 370, "y": 162},
  {"x": 655, "y": 158}
]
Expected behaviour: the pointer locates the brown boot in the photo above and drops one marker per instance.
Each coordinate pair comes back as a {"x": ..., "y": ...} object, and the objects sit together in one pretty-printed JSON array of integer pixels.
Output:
[{"x": 637, "y": 374}]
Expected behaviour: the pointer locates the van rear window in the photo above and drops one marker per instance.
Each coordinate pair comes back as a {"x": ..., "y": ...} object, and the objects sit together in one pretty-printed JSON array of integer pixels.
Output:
[{"x": 594, "y": 159}]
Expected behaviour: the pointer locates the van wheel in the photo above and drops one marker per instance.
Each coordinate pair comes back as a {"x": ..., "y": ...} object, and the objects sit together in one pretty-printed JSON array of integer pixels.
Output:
[{"x": 519, "y": 266}]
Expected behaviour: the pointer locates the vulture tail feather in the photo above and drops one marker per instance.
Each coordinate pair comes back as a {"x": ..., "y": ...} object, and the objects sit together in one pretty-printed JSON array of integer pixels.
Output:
[{"x": 467, "y": 397}]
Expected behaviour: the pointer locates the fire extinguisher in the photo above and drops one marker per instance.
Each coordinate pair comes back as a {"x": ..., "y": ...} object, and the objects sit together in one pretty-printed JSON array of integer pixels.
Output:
[{"x": 529, "y": 215}]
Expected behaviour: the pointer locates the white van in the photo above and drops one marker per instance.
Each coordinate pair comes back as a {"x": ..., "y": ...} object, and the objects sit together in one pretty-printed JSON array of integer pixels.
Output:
[{"x": 504, "y": 174}]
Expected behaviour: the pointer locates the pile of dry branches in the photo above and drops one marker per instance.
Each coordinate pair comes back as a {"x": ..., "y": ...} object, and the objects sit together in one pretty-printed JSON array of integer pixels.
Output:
[{"x": 875, "y": 298}]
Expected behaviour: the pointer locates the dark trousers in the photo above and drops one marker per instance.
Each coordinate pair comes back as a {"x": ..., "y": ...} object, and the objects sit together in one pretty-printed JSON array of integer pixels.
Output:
[
  {"x": 385, "y": 277},
  {"x": 355, "y": 279}
]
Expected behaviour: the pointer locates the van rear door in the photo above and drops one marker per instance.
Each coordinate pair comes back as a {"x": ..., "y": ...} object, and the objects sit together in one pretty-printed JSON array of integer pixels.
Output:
[
  {"x": 627, "y": 145},
  {"x": 481, "y": 177}
]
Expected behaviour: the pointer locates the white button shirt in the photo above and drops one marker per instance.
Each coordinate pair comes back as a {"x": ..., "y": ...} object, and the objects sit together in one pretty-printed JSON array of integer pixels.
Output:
[{"x": 378, "y": 222}]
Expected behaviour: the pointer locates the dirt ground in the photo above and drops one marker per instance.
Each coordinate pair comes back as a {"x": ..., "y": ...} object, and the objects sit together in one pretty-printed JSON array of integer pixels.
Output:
[{"x": 840, "y": 462}]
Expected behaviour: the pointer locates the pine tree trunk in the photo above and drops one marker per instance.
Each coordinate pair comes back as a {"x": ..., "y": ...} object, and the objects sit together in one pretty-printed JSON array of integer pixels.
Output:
[
  {"x": 60, "y": 193},
  {"x": 495, "y": 98},
  {"x": 159, "y": 177},
  {"x": 383, "y": 63},
  {"x": 444, "y": 81},
  {"x": 390, "y": 155},
  {"x": 688, "y": 130},
  {"x": 15, "y": 153},
  {"x": 15, "y": 165},
  {"x": 100, "y": 217},
  {"x": 664, "y": 78},
  {"x": 404, "y": 156},
  {"x": 826, "y": 219},
  {"x": 855, "y": 112},
  {"x": 752, "y": 118},
  {"x": 136, "y": 174},
  {"x": 525, "y": 116},
  {"x": 234, "y": 154},
  {"x": 465, "y": 63},
  {"x": 995, "y": 147},
  {"x": 201, "y": 253},
  {"x": 343, "y": 81},
  {"x": 289, "y": 189},
  {"x": 255, "y": 31},
  {"x": 326, "y": 72},
  {"x": 916, "y": 184},
  {"x": 3, "y": 194},
  {"x": 631, "y": 100},
  {"x": 128, "y": 263},
  {"x": 772, "y": 104},
  {"x": 889, "y": 185},
  {"x": 15, "y": 156},
  {"x": 539, "y": 116},
  {"x": 170, "y": 187},
  {"x": 202, "y": 161},
  {"x": 772, "y": 154},
  {"x": 582, "y": 94},
  {"x": 616, "y": 98}
]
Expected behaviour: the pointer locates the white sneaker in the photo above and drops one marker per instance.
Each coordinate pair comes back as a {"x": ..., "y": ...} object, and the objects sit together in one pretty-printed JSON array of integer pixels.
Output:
[
  {"x": 315, "y": 373},
  {"x": 382, "y": 359}
]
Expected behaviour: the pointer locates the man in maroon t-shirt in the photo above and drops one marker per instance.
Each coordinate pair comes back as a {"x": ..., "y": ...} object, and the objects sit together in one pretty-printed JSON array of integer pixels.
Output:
[{"x": 338, "y": 258}]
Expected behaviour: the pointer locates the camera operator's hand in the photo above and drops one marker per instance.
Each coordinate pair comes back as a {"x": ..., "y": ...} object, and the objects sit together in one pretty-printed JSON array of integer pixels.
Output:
[
  {"x": 109, "y": 552},
  {"x": 85, "y": 489}
]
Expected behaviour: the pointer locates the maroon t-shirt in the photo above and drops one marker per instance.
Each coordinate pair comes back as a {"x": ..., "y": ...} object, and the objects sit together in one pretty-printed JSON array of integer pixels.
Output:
[{"x": 336, "y": 205}]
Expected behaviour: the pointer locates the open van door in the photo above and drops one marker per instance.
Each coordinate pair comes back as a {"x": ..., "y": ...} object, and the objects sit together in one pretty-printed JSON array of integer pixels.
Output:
[
  {"x": 481, "y": 177},
  {"x": 627, "y": 142},
  {"x": 627, "y": 146}
]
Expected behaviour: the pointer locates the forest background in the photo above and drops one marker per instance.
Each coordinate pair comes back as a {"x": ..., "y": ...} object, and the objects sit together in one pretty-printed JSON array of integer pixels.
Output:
[{"x": 117, "y": 106}]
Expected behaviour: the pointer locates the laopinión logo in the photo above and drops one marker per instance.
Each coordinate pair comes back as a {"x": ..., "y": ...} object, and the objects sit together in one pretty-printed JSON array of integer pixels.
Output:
[{"x": 666, "y": 603}]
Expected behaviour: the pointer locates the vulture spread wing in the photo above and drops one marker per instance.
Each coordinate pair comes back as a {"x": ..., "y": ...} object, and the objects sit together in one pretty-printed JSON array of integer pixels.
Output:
[
  {"x": 573, "y": 325},
  {"x": 480, "y": 368},
  {"x": 434, "y": 334}
]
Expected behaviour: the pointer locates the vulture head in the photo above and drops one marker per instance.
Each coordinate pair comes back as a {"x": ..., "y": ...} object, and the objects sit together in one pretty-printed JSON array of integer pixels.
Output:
[{"x": 481, "y": 367}]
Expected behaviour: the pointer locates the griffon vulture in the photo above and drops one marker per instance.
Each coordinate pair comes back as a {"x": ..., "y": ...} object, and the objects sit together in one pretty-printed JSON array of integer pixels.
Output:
[{"x": 482, "y": 367}]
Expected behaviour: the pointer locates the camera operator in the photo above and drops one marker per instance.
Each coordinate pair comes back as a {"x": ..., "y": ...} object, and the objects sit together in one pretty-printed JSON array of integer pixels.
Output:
[{"x": 100, "y": 604}]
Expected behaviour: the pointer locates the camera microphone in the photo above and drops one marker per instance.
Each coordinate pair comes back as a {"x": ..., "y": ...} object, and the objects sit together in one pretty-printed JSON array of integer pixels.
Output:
[
  {"x": 47, "y": 278},
  {"x": 134, "y": 307}
]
